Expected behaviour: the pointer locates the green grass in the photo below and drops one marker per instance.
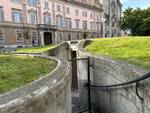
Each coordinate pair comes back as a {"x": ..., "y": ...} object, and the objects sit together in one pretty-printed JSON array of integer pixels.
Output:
[
  {"x": 16, "y": 71},
  {"x": 35, "y": 49},
  {"x": 134, "y": 50}
]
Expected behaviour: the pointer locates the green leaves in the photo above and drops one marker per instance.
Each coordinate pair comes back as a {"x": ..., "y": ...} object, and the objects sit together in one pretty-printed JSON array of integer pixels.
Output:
[{"x": 136, "y": 21}]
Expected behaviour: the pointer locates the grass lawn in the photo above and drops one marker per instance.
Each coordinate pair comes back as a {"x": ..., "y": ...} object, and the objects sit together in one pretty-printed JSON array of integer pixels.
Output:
[
  {"x": 134, "y": 50},
  {"x": 35, "y": 49},
  {"x": 16, "y": 71}
]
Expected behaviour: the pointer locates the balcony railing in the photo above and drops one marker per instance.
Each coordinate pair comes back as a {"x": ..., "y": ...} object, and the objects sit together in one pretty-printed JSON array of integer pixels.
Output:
[{"x": 47, "y": 27}]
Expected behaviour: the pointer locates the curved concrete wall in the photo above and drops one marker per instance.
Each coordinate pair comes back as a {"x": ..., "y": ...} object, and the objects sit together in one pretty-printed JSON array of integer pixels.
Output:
[
  {"x": 50, "y": 94},
  {"x": 105, "y": 71}
]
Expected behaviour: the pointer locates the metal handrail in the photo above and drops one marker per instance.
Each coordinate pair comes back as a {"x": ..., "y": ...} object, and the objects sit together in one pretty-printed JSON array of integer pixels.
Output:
[
  {"x": 137, "y": 80},
  {"x": 146, "y": 76}
]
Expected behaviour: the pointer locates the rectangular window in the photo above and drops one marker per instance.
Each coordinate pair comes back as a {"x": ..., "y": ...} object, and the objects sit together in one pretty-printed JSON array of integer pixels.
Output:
[
  {"x": 91, "y": 15},
  {"x": 85, "y": 14},
  {"x": 46, "y": 5},
  {"x": 16, "y": 1},
  {"x": 58, "y": 8},
  {"x": 92, "y": 25},
  {"x": 60, "y": 37},
  {"x": 68, "y": 23},
  {"x": 16, "y": 16},
  {"x": 98, "y": 25},
  {"x": 59, "y": 21},
  {"x": 68, "y": 10},
  {"x": 32, "y": 2},
  {"x": 47, "y": 19},
  {"x": 84, "y": 24},
  {"x": 77, "y": 24},
  {"x": 1, "y": 35},
  {"x": 77, "y": 12},
  {"x": 1, "y": 14},
  {"x": 32, "y": 18},
  {"x": 19, "y": 35}
]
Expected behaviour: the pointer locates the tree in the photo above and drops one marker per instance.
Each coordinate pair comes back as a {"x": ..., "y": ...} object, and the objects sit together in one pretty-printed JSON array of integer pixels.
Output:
[
  {"x": 135, "y": 21},
  {"x": 145, "y": 27}
]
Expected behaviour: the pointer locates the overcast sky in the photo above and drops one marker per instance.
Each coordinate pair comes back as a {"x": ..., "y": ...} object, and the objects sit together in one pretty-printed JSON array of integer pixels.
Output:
[{"x": 135, "y": 3}]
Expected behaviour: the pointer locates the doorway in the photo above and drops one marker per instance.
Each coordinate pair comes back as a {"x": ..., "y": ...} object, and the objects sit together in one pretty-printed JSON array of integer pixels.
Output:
[{"x": 47, "y": 38}]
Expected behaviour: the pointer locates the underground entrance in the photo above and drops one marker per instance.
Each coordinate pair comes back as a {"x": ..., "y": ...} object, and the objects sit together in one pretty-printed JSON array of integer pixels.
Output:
[{"x": 47, "y": 38}]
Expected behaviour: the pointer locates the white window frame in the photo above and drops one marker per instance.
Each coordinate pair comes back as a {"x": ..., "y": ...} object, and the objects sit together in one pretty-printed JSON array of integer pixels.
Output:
[
  {"x": 13, "y": 16},
  {"x": 45, "y": 16},
  {"x": 3, "y": 36},
  {"x": 30, "y": 19},
  {"x": 16, "y": 35},
  {"x": 58, "y": 7},
  {"x": 46, "y": 4}
]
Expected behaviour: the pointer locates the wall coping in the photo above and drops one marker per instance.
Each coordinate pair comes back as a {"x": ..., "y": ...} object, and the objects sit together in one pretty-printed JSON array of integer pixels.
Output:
[
  {"x": 137, "y": 70},
  {"x": 36, "y": 88}
]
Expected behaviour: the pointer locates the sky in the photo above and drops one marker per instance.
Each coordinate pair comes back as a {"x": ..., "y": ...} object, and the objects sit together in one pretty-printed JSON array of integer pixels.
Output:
[{"x": 135, "y": 3}]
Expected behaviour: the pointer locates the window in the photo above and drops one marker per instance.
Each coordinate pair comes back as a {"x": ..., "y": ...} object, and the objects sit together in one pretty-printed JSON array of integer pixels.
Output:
[
  {"x": 91, "y": 15},
  {"x": 84, "y": 24},
  {"x": 16, "y": 16},
  {"x": 68, "y": 10},
  {"x": 19, "y": 35},
  {"x": 60, "y": 38},
  {"x": 77, "y": 12},
  {"x": 92, "y": 25},
  {"x": 69, "y": 36},
  {"x": 34, "y": 38},
  {"x": 98, "y": 26},
  {"x": 58, "y": 8},
  {"x": 1, "y": 14},
  {"x": 68, "y": 23},
  {"x": 77, "y": 23},
  {"x": 84, "y": 14},
  {"x": 32, "y": 2},
  {"x": 47, "y": 19},
  {"x": 1, "y": 35},
  {"x": 16, "y": 1},
  {"x": 46, "y": 4},
  {"x": 78, "y": 37},
  {"x": 98, "y": 18},
  {"x": 32, "y": 17},
  {"x": 59, "y": 21}
]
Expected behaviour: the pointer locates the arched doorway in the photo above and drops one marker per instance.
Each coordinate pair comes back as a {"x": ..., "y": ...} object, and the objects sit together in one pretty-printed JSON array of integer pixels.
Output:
[{"x": 47, "y": 38}]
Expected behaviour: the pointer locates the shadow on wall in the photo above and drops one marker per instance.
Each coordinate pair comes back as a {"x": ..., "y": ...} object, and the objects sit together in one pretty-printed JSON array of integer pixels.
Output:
[
  {"x": 105, "y": 71},
  {"x": 50, "y": 94}
]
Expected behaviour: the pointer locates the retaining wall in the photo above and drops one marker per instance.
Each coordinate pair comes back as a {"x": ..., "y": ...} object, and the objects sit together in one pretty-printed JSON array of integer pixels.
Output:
[
  {"x": 62, "y": 51},
  {"x": 50, "y": 94},
  {"x": 105, "y": 71}
]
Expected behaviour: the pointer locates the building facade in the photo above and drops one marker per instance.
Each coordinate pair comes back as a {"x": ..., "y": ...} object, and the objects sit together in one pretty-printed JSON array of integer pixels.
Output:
[
  {"x": 44, "y": 22},
  {"x": 111, "y": 15}
]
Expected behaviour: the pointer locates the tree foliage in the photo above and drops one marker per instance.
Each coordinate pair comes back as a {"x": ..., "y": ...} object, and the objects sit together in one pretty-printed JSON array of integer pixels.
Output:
[{"x": 137, "y": 21}]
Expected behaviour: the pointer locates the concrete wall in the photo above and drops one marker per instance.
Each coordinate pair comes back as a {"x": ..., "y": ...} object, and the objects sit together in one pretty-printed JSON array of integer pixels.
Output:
[
  {"x": 105, "y": 71},
  {"x": 50, "y": 94},
  {"x": 62, "y": 51}
]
